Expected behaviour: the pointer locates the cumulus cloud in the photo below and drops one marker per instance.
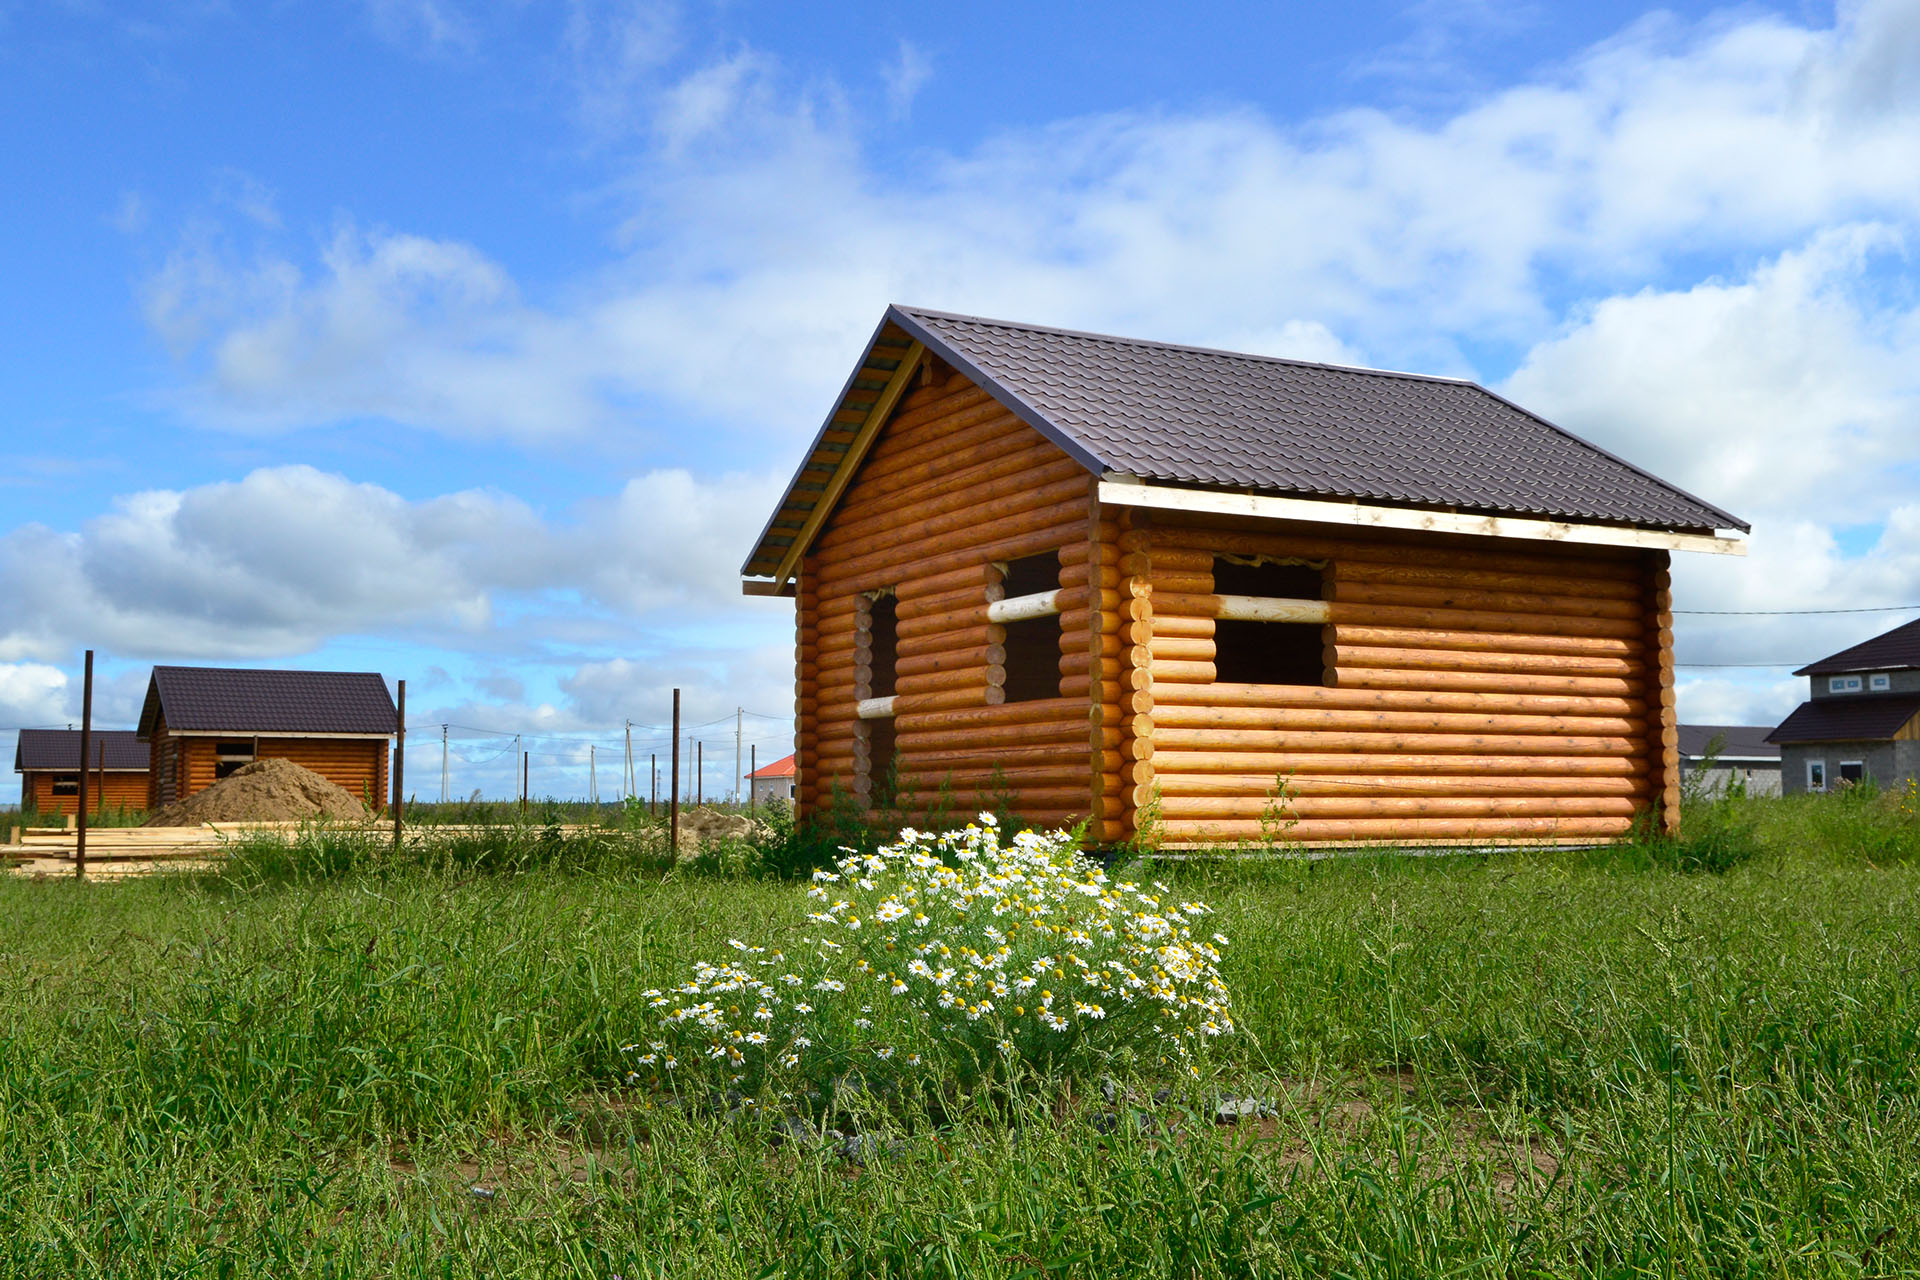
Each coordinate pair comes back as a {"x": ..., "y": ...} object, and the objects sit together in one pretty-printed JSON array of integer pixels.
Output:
[
  {"x": 286, "y": 557},
  {"x": 1390, "y": 234}
]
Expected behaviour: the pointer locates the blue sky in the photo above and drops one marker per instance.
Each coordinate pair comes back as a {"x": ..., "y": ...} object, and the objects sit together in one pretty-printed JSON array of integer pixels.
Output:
[{"x": 470, "y": 343}]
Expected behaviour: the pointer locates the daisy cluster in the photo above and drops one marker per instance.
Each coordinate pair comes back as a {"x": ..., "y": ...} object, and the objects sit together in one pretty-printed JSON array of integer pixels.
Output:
[{"x": 956, "y": 950}]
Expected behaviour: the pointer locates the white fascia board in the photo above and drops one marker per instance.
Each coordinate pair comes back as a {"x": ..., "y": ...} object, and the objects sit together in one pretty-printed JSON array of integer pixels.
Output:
[{"x": 1128, "y": 492}]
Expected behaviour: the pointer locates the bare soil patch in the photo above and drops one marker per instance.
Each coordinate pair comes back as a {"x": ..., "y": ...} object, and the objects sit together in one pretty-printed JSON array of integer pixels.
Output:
[{"x": 270, "y": 790}]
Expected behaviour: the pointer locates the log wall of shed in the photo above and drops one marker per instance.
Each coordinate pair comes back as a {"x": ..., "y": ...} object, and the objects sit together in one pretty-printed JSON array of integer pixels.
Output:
[
  {"x": 122, "y": 789},
  {"x": 1472, "y": 691},
  {"x": 184, "y": 766},
  {"x": 954, "y": 485}
]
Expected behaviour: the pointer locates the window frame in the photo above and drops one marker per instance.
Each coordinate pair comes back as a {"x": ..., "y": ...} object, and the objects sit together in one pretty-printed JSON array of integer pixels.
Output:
[
  {"x": 1845, "y": 765},
  {"x": 1843, "y": 684},
  {"x": 1879, "y": 682},
  {"x": 1817, "y": 775}
]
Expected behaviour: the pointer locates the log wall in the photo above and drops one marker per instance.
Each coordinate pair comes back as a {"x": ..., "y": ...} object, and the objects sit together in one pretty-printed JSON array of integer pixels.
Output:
[
  {"x": 954, "y": 484},
  {"x": 1471, "y": 691},
  {"x": 184, "y": 766},
  {"x": 124, "y": 789}
]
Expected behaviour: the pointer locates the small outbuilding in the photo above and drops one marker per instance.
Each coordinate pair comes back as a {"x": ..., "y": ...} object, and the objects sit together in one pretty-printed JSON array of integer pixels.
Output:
[
  {"x": 1713, "y": 757},
  {"x": 202, "y": 723},
  {"x": 1861, "y": 719},
  {"x": 1203, "y": 597},
  {"x": 772, "y": 782},
  {"x": 48, "y": 762}
]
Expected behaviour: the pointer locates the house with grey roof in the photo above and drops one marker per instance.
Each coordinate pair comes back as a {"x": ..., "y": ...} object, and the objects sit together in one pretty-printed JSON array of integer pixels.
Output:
[
  {"x": 202, "y": 723},
  {"x": 1861, "y": 719},
  {"x": 48, "y": 762},
  {"x": 1202, "y": 597},
  {"x": 1716, "y": 757}
]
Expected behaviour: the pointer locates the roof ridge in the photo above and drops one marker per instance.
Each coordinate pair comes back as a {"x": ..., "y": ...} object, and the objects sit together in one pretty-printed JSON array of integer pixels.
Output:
[{"x": 1193, "y": 349}]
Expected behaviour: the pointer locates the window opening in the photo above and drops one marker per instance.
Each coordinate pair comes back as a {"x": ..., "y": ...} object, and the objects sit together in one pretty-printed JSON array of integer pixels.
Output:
[
  {"x": 1880, "y": 683},
  {"x": 228, "y": 756},
  {"x": 66, "y": 785},
  {"x": 1816, "y": 775},
  {"x": 1852, "y": 770},
  {"x": 1032, "y": 644},
  {"x": 1843, "y": 684},
  {"x": 1247, "y": 652},
  {"x": 876, "y": 677}
]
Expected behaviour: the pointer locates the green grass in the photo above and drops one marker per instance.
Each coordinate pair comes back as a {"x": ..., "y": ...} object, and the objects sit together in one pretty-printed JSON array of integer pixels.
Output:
[{"x": 1532, "y": 1064}]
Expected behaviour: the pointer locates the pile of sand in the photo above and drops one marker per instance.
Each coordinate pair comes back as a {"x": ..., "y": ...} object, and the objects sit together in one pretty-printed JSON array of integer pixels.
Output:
[
  {"x": 269, "y": 790},
  {"x": 704, "y": 825}
]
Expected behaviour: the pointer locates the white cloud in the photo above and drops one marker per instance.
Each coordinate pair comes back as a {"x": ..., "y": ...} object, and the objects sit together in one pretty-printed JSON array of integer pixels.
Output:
[
  {"x": 287, "y": 557},
  {"x": 32, "y": 695},
  {"x": 1791, "y": 394},
  {"x": 904, "y": 77},
  {"x": 765, "y": 227}
]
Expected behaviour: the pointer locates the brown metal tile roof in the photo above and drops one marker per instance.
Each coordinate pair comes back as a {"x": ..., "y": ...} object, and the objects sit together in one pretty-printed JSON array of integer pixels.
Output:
[
  {"x": 1743, "y": 742},
  {"x": 40, "y": 749},
  {"x": 1197, "y": 416},
  {"x": 1854, "y": 718},
  {"x": 1895, "y": 650},
  {"x": 242, "y": 700},
  {"x": 1223, "y": 420}
]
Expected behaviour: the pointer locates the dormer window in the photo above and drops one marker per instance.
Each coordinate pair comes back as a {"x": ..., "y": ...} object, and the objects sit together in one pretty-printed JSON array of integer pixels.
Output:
[
  {"x": 1880, "y": 683},
  {"x": 1843, "y": 684}
]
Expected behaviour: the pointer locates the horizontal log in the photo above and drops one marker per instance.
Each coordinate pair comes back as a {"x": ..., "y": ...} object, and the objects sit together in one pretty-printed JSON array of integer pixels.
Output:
[
  {"x": 1074, "y": 755},
  {"x": 1075, "y": 575},
  {"x": 1558, "y": 664},
  {"x": 1280, "y": 695},
  {"x": 1053, "y": 798},
  {"x": 1263, "y": 741},
  {"x": 885, "y": 556},
  {"x": 968, "y": 577},
  {"x": 961, "y": 600},
  {"x": 1182, "y": 648},
  {"x": 1299, "y": 784},
  {"x": 964, "y": 678},
  {"x": 1043, "y": 604},
  {"x": 1483, "y": 620},
  {"x": 1175, "y": 807},
  {"x": 1369, "y": 764},
  {"x": 919, "y": 781},
  {"x": 944, "y": 699},
  {"x": 995, "y": 545},
  {"x": 1476, "y": 599},
  {"x": 1246, "y": 608},
  {"x": 1415, "y": 574},
  {"x": 1175, "y": 627},
  {"x": 1489, "y": 682},
  {"x": 1178, "y": 672},
  {"x": 1433, "y": 550},
  {"x": 1351, "y": 633},
  {"x": 979, "y": 656},
  {"x": 961, "y": 458},
  {"x": 1406, "y": 832},
  {"x": 1336, "y": 719},
  {"x": 1014, "y": 713},
  {"x": 948, "y": 630},
  {"x": 1101, "y": 537},
  {"x": 951, "y": 511}
]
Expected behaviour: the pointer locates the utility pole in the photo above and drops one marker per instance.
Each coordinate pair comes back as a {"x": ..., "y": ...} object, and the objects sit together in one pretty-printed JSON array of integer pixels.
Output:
[
  {"x": 443, "y": 764},
  {"x": 739, "y": 714},
  {"x": 653, "y": 783},
  {"x": 400, "y": 770},
  {"x": 753, "y": 767},
  {"x": 593, "y": 779},
  {"x": 629, "y": 764},
  {"x": 86, "y": 740},
  {"x": 699, "y": 773},
  {"x": 673, "y": 787}
]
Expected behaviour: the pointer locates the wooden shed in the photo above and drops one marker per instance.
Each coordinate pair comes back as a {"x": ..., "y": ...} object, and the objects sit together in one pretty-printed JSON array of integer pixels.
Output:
[
  {"x": 48, "y": 762},
  {"x": 1223, "y": 596},
  {"x": 202, "y": 723}
]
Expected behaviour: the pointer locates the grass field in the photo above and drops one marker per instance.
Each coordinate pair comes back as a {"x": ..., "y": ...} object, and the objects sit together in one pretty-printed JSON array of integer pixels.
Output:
[{"x": 1522, "y": 1064}]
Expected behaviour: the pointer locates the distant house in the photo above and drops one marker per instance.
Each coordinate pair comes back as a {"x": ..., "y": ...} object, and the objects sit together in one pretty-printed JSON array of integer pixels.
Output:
[
  {"x": 1150, "y": 586},
  {"x": 1729, "y": 752},
  {"x": 48, "y": 762},
  {"x": 773, "y": 782},
  {"x": 202, "y": 723},
  {"x": 1862, "y": 720}
]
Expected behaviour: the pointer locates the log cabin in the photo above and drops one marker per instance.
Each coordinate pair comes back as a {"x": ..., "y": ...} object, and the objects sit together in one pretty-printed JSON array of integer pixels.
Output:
[
  {"x": 202, "y": 723},
  {"x": 48, "y": 762},
  {"x": 1200, "y": 598}
]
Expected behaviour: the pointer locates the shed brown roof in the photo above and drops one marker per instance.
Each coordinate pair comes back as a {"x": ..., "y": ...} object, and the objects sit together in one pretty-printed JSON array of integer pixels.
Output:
[
  {"x": 244, "y": 700},
  {"x": 1895, "y": 650},
  {"x": 1225, "y": 420},
  {"x": 1865, "y": 718},
  {"x": 45, "y": 749}
]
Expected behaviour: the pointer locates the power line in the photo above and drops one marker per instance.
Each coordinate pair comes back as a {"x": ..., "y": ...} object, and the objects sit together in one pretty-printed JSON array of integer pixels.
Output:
[{"x": 1791, "y": 613}]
